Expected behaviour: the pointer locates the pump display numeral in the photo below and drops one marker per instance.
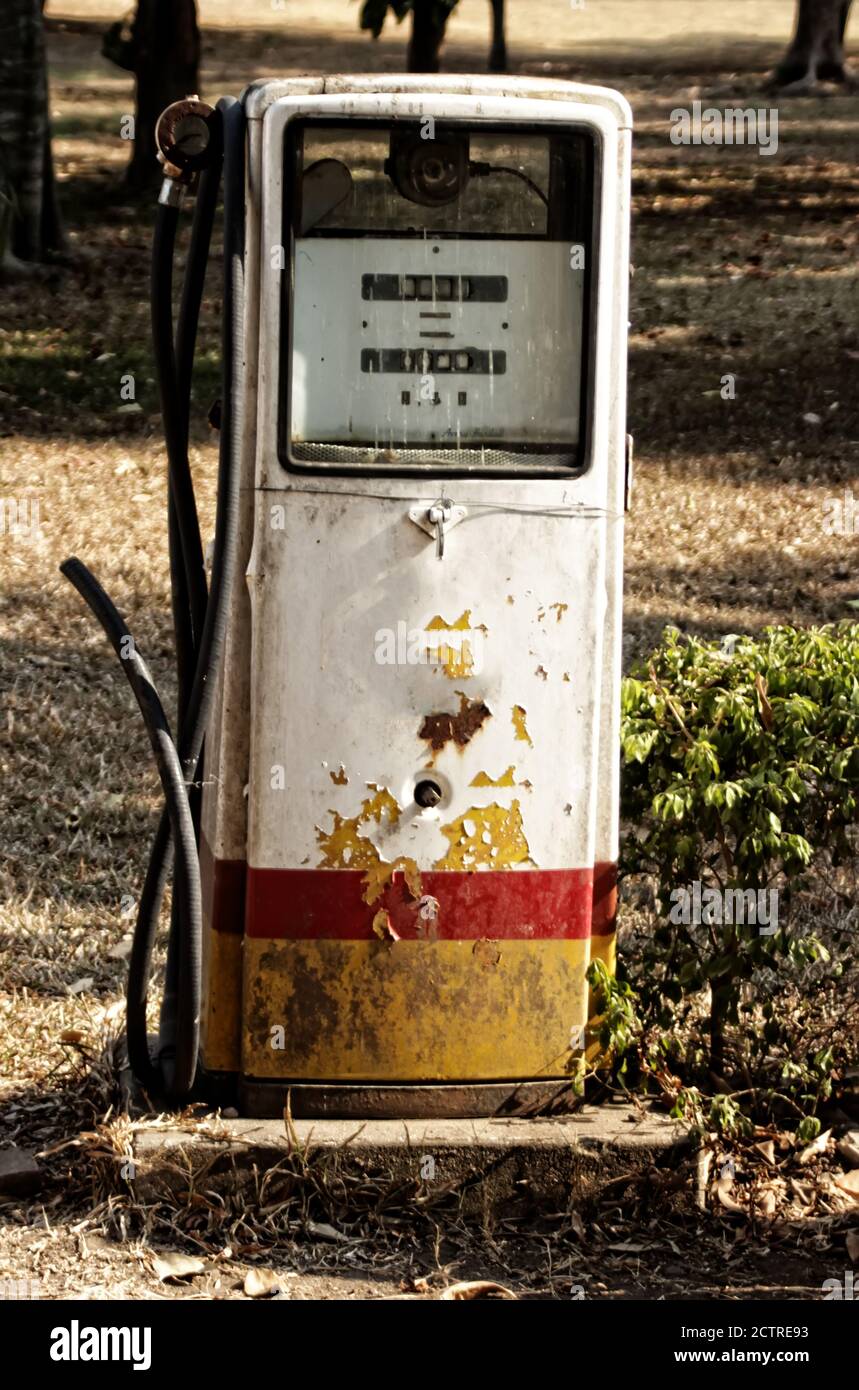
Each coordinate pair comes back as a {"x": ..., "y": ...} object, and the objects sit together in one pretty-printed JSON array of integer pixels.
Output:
[
  {"x": 473, "y": 289},
  {"x": 475, "y": 361}
]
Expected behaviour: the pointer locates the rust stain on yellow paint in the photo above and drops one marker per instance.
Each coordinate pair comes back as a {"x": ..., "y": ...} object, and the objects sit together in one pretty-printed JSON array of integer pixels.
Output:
[
  {"x": 339, "y": 778},
  {"x": 221, "y": 1018},
  {"x": 456, "y": 659},
  {"x": 422, "y": 1011},
  {"x": 559, "y": 609},
  {"x": 344, "y": 846},
  {"x": 487, "y": 953},
  {"x": 484, "y": 780},
  {"x": 520, "y": 727},
  {"x": 491, "y": 837}
]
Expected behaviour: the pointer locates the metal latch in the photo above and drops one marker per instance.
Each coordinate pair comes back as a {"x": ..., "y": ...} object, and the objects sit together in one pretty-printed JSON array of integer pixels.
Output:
[{"x": 438, "y": 518}]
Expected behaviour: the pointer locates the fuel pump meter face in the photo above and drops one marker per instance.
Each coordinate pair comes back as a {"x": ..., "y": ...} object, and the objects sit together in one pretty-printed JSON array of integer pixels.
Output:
[{"x": 436, "y": 314}]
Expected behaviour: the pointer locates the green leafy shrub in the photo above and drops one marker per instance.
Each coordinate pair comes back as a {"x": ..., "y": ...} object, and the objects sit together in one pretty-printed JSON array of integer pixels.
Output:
[{"x": 740, "y": 773}]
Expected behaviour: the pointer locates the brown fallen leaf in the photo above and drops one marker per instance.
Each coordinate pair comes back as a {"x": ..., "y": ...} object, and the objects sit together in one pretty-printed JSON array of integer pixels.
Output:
[
  {"x": 723, "y": 1192},
  {"x": 767, "y": 1149},
  {"x": 853, "y": 1245},
  {"x": 261, "y": 1283},
  {"x": 767, "y": 1203},
  {"x": 816, "y": 1147},
  {"x": 848, "y": 1183},
  {"x": 801, "y": 1192},
  {"x": 848, "y": 1147},
  {"x": 477, "y": 1288},
  {"x": 174, "y": 1266}
]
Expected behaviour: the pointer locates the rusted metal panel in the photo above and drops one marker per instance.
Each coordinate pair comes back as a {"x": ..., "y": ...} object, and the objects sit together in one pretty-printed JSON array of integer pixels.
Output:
[
  {"x": 525, "y": 1099},
  {"x": 363, "y": 665},
  {"x": 413, "y": 1010}
]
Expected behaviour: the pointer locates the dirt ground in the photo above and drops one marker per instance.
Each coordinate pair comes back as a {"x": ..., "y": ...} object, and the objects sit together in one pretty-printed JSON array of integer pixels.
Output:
[{"x": 744, "y": 265}]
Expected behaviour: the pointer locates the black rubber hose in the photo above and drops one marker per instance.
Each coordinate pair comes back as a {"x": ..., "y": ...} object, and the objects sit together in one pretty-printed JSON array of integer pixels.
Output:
[
  {"x": 173, "y": 418},
  {"x": 177, "y": 1079},
  {"x": 161, "y": 310},
  {"x": 232, "y": 351},
  {"x": 186, "y": 339},
  {"x": 140, "y": 959},
  {"x": 200, "y": 615},
  {"x": 196, "y": 263},
  {"x": 223, "y": 570},
  {"x": 193, "y": 284},
  {"x": 189, "y": 705}
]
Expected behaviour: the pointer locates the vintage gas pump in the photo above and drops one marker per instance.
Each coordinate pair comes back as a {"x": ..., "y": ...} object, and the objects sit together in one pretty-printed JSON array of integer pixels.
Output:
[{"x": 406, "y": 663}]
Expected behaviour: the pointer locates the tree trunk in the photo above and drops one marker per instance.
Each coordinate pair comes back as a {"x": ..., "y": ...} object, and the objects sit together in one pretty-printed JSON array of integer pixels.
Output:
[
  {"x": 498, "y": 52},
  {"x": 30, "y": 227},
  {"x": 816, "y": 52},
  {"x": 166, "y": 58},
  {"x": 429, "y": 21}
]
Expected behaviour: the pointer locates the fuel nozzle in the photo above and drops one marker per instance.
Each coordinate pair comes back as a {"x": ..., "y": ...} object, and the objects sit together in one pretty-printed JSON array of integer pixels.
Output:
[{"x": 185, "y": 136}]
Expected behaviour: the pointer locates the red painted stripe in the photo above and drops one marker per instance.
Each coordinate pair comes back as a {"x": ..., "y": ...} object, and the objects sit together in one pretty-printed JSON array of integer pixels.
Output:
[
  {"x": 604, "y": 918},
  {"x": 327, "y": 904},
  {"x": 223, "y": 883},
  {"x": 324, "y": 898}
]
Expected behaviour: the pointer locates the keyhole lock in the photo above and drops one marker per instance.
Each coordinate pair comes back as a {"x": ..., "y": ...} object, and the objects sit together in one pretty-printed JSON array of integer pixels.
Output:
[{"x": 427, "y": 793}]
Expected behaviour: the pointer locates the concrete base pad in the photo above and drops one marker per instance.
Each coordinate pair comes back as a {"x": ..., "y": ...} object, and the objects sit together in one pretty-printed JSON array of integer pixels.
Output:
[{"x": 492, "y": 1160}]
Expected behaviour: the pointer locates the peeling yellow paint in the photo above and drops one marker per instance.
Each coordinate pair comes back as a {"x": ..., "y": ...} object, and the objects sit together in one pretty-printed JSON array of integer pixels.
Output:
[
  {"x": 383, "y": 927},
  {"x": 339, "y": 778},
  {"x": 559, "y": 609},
  {"x": 489, "y": 836},
  {"x": 484, "y": 780},
  {"x": 519, "y": 725},
  {"x": 462, "y": 624},
  {"x": 345, "y": 847},
  {"x": 455, "y": 659},
  {"x": 379, "y": 874}
]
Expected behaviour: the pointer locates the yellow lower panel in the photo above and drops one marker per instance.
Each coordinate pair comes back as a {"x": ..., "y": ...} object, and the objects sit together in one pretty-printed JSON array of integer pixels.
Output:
[
  {"x": 220, "y": 1023},
  {"x": 412, "y": 1010},
  {"x": 604, "y": 948}
]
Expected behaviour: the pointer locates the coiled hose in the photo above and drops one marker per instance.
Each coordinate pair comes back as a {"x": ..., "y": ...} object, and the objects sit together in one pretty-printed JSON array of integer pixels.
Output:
[{"x": 199, "y": 616}]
